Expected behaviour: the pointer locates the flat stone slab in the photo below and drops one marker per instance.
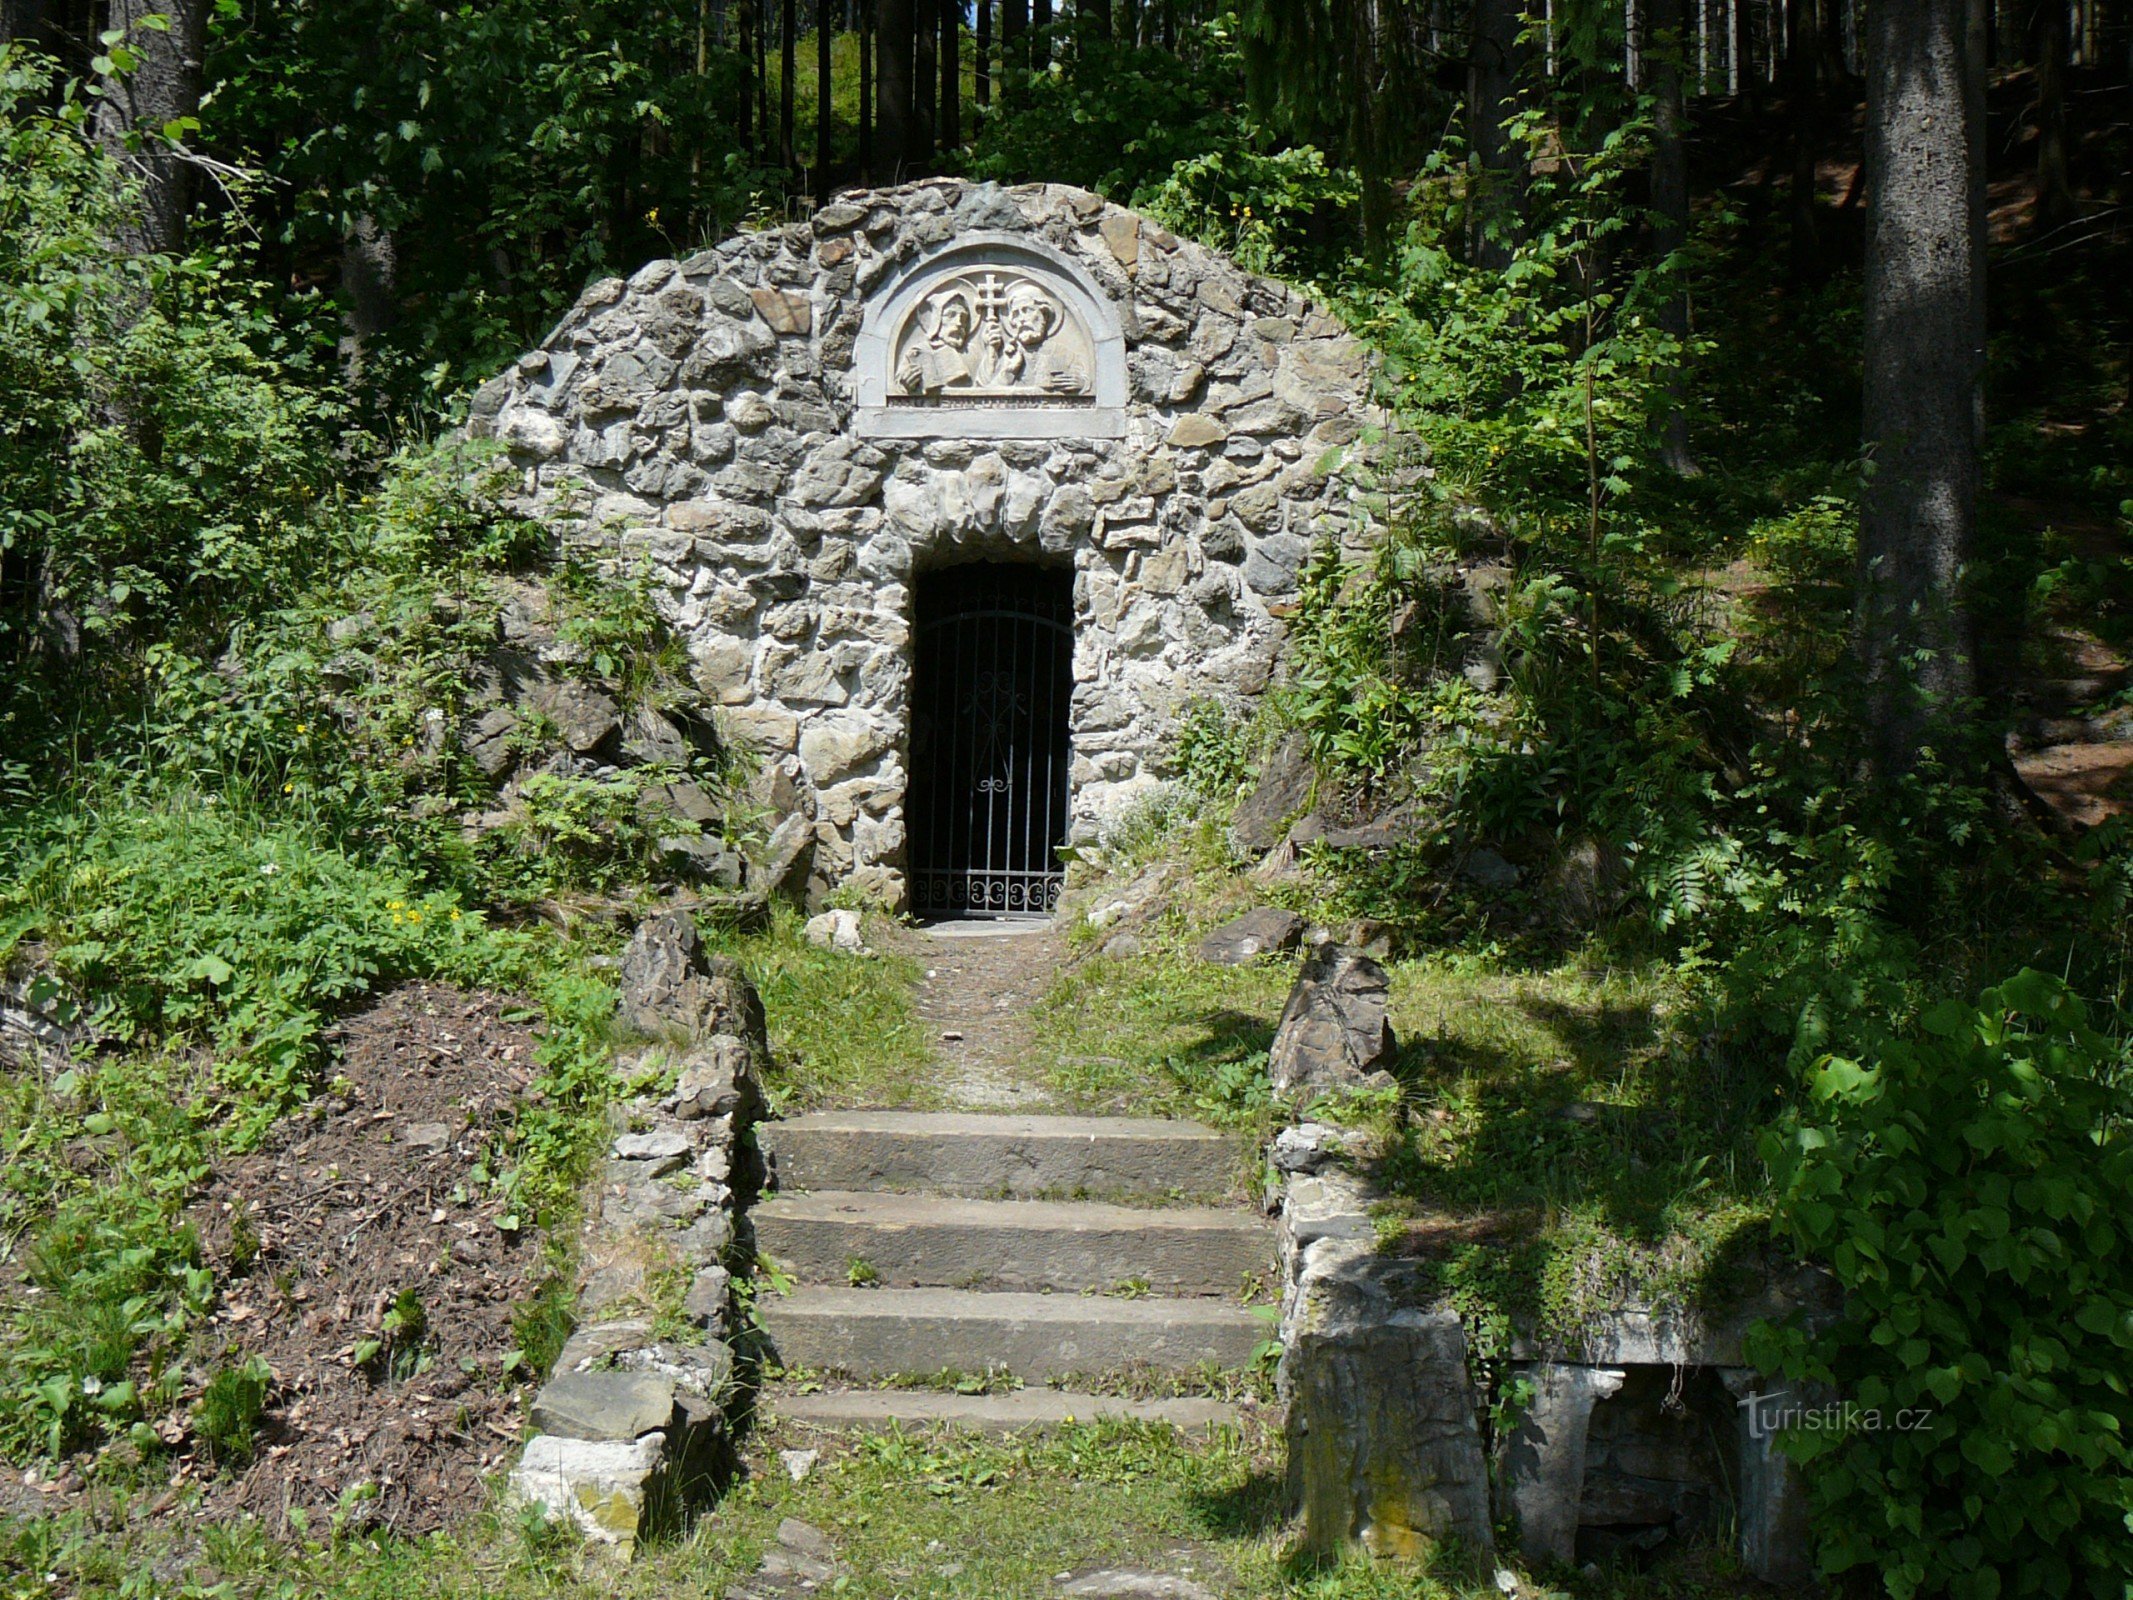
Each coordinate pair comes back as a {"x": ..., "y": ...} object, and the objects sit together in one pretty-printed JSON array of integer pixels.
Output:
[
  {"x": 860, "y": 1409},
  {"x": 605, "y": 1405},
  {"x": 1267, "y": 930},
  {"x": 1001, "y": 1156},
  {"x": 912, "y": 1241},
  {"x": 876, "y": 1333}
]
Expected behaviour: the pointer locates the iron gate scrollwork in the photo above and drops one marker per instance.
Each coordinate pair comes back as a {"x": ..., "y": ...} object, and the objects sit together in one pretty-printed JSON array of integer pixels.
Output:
[{"x": 992, "y": 677}]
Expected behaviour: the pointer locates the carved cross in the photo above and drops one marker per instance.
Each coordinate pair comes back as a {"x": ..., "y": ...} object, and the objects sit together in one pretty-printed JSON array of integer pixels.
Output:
[{"x": 992, "y": 298}]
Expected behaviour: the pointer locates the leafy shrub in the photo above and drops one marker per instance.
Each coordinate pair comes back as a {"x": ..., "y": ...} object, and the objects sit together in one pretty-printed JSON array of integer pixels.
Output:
[{"x": 1971, "y": 1189}]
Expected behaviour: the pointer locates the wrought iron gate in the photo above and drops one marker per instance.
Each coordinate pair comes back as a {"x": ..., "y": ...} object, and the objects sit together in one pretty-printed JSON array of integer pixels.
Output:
[{"x": 992, "y": 674}]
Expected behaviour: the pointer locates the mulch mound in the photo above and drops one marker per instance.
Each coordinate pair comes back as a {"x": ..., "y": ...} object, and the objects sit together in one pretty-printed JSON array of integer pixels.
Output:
[{"x": 315, "y": 1237}]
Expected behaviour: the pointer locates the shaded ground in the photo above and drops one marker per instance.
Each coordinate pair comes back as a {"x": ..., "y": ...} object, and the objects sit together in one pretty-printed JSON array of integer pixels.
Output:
[{"x": 365, "y": 1260}]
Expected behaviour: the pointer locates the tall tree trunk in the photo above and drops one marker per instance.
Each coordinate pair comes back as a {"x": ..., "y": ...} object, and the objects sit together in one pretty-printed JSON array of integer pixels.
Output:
[
  {"x": 894, "y": 133},
  {"x": 1096, "y": 18},
  {"x": 1803, "y": 61},
  {"x": 1170, "y": 26},
  {"x": 2048, "y": 42},
  {"x": 762, "y": 71},
  {"x": 1670, "y": 210},
  {"x": 1491, "y": 99},
  {"x": 136, "y": 109},
  {"x": 369, "y": 269},
  {"x": 1740, "y": 47},
  {"x": 747, "y": 123},
  {"x": 788, "y": 82},
  {"x": 925, "y": 80},
  {"x": 866, "y": 90},
  {"x": 1923, "y": 401},
  {"x": 1040, "y": 19},
  {"x": 951, "y": 73},
  {"x": 981, "y": 67},
  {"x": 825, "y": 39},
  {"x": 1014, "y": 51}
]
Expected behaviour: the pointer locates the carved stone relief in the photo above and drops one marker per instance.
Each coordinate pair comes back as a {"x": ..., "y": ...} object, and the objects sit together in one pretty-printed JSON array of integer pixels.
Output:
[{"x": 991, "y": 336}]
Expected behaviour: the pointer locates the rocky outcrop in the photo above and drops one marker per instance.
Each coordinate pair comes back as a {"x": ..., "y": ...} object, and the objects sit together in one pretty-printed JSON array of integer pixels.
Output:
[
  {"x": 634, "y": 1427},
  {"x": 1265, "y": 930},
  {"x": 1334, "y": 1033}
]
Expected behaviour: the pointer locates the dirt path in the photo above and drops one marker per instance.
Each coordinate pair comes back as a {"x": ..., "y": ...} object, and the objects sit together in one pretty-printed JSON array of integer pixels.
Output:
[{"x": 981, "y": 979}]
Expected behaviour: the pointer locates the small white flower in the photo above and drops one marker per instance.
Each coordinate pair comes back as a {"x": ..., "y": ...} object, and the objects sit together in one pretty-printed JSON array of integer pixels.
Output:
[
  {"x": 92, "y": 1386},
  {"x": 270, "y": 868}
]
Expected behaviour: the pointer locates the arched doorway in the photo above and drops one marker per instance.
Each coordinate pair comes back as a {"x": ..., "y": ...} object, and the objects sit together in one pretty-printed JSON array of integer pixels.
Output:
[{"x": 992, "y": 674}]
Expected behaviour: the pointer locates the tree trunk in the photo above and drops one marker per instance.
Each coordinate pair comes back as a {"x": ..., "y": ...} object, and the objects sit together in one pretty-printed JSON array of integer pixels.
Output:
[
  {"x": 1014, "y": 51},
  {"x": 788, "y": 81},
  {"x": 951, "y": 74},
  {"x": 825, "y": 39},
  {"x": 1670, "y": 210},
  {"x": 24, "y": 22},
  {"x": 981, "y": 67},
  {"x": 1096, "y": 18},
  {"x": 925, "y": 80},
  {"x": 1923, "y": 400},
  {"x": 1803, "y": 61},
  {"x": 747, "y": 10},
  {"x": 2048, "y": 42},
  {"x": 894, "y": 132},
  {"x": 135, "y": 109},
  {"x": 1491, "y": 98},
  {"x": 866, "y": 90},
  {"x": 369, "y": 268},
  {"x": 762, "y": 71},
  {"x": 1040, "y": 19}
]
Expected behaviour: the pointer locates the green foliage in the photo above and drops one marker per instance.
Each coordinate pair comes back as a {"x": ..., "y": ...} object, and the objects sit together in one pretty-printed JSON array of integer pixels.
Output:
[
  {"x": 157, "y": 463},
  {"x": 1969, "y": 1186},
  {"x": 226, "y": 1416},
  {"x": 509, "y": 153},
  {"x": 196, "y": 919},
  {"x": 1272, "y": 212}
]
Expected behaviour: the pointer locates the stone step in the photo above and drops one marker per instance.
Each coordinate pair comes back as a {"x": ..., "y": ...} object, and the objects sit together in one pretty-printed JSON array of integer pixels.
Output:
[
  {"x": 912, "y": 1241},
  {"x": 867, "y": 1409},
  {"x": 878, "y": 1333},
  {"x": 1002, "y": 1156}
]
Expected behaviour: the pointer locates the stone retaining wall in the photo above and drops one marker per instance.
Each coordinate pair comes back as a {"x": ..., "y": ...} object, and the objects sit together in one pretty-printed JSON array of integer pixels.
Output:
[
  {"x": 635, "y": 1421},
  {"x": 787, "y": 427}
]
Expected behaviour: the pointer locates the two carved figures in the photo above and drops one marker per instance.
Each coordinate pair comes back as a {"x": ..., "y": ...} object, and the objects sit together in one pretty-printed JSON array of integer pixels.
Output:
[{"x": 993, "y": 333}]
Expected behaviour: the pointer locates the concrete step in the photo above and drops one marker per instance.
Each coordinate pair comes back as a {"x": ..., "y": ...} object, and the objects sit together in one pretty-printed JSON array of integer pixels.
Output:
[
  {"x": 1001, "y": 1156},
  {"x": 876, "y": 1333},
  {"x": 866, "y": 1409},
  {"x": 915, "y": 1241}
]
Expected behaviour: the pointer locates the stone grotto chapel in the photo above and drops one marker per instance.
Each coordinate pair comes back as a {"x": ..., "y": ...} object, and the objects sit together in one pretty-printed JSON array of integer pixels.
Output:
[{"x": 958, "y": 495}]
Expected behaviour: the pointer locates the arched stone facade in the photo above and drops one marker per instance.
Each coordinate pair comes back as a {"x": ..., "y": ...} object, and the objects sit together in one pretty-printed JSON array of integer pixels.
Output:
[{"x": 792, "y": 425}]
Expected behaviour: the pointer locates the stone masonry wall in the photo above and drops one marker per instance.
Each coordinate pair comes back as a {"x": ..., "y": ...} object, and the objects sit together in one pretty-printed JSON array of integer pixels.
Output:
[{"x": 706, "y": 416}]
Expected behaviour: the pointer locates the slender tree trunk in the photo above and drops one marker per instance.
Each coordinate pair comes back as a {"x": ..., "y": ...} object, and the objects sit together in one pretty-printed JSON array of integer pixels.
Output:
[
  {"x": 925, "y": 80},
  {"x": 825, "y": 39},
  {"x": 788, "y": 82},
  {"x": 981, "y": 67},
  {"x": 1014, "y": 51},
  {"x": 1040, "y": 19},
  {"x": 1670, "y": 209},
  {"x": 866, "y": 90},
  {"x": 1170, "y": 26},
  {"x": 1923, "y": 401},
  {"x": 747, "y": 124},
  {"x": 894, "y": 132},
  {"x": 136, "y": 109},
  {"x": 2048, "y": 42},
  {"x": 1803, "y": 60},
  {"x": 1740, "y": 45},
  {"x": 951, "y": 73},
  {"x": 1096, "y": 18},
  {"x": 1491, "y": 99},
  {"x": 762, "y": 71}
]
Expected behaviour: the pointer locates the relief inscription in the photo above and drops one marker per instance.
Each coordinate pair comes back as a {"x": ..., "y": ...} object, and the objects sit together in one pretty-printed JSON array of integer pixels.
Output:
[{"x": 992, "y": 336}]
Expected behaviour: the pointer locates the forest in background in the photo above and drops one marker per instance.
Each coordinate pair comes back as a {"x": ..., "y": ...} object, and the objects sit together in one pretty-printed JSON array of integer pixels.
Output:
[{"x": 1676, "y": 363}]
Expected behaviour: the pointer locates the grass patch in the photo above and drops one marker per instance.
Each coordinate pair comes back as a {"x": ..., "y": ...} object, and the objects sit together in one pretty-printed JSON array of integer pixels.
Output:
[{"x": 843, "y": 1028}]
